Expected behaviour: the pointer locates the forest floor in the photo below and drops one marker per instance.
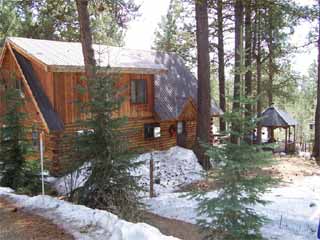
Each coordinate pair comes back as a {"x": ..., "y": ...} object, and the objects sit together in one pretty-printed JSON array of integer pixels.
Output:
[
  {"x": 16, "y": 224},
  {"x": 173, "y": 227},
  {"x": 290, "y": 169}
]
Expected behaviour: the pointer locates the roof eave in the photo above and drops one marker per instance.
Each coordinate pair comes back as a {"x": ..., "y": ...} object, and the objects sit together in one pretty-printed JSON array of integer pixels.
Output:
[{"x": 59, "y": 68}]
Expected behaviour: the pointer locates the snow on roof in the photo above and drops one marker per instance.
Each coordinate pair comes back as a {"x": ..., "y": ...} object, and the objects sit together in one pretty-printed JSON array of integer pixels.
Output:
[{"x": 61, "y": 55}]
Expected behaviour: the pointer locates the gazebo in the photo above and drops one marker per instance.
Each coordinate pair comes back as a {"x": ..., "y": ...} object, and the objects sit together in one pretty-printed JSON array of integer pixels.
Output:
[{"x": 273, "y": 118}]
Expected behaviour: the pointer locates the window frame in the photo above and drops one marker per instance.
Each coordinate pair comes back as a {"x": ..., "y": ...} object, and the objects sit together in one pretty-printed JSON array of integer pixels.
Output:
[
  {"x": 35, "y": 139},
  {"x": 137, "y": 102},
  {"x": 152, "y": 126}
]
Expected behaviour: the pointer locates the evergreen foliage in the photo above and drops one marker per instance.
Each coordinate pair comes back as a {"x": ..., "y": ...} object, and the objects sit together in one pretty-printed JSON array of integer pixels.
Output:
[
  {"x": 17, "y": 173},
  {"x": 238, "y": 169},
  {"x": 176, "y": 32},
  {"x": 54, "y": 20},
  {"x": 110, "y": 185}
]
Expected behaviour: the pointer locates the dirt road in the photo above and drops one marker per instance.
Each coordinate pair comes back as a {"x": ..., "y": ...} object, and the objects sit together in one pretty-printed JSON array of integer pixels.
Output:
[{"x": 18, "y": 225}]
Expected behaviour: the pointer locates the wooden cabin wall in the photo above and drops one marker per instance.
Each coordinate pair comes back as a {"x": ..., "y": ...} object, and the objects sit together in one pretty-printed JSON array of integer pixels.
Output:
[
  {"x": 189, "y": 112},
  {"x": 33, "y": 120},
  {"x": 66, "y": 94},
  {"x": 135, "y": 134},
  {"x": 191, "y": 133}
]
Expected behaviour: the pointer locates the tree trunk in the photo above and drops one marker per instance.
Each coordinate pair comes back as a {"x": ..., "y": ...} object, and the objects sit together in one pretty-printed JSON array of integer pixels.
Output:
[
  {"x": 237, "y": 65},
  {"x": 86, "y": 38},
  {"x": 248, "y": 56},
  {"x": 204, "y": 100},
  {"x": 270, "y": 66},
  {"x": 258, "y": 69},
  {"x": 222, "y": 97},
  {"x": 316, "y": 146}
]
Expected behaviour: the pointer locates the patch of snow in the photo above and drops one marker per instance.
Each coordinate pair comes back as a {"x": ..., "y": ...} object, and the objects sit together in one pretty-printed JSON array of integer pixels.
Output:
[
  {"x": 293, "y": 209},
  {"x": 172, "y": 169},
  {"x": 306, "y": 155},
  {"x": 6, "y": 190},
  {"x": 72, "y": 181},
  {"x": 85, "y": 223}
]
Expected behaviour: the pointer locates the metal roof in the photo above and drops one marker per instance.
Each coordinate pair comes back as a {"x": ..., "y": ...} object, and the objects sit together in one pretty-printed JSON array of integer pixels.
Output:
[
  {"x": 274, "y": 117},
  {"x": 174, "y": 83}
]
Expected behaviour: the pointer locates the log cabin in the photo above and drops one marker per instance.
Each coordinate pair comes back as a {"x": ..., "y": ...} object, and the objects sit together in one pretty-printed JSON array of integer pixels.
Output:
[{"x": 160, "y": 102}]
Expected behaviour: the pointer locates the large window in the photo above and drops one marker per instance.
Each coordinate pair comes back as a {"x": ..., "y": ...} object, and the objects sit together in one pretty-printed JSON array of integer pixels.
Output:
[{"x": 139, "y": 91}]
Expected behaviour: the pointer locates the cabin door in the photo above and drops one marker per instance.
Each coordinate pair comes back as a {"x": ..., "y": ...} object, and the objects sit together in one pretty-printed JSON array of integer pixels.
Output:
[{"x": 181, "y": 134}]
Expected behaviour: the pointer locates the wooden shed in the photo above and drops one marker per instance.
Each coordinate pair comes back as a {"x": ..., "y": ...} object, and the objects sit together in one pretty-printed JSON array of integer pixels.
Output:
[{"x": 160, "y": 102}]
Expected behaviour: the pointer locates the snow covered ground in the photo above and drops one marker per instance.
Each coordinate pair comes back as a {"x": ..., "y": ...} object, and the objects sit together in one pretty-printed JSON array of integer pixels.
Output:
[
  {"x": 294, "y": 211},
  {"x": 172, "y": 169},
  {"x": 70, "y": 182},
  {"x": 85, "y": 223}
]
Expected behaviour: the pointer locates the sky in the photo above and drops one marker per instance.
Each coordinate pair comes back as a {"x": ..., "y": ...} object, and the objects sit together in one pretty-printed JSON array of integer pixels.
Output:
[{"x": 140, "y": 34}]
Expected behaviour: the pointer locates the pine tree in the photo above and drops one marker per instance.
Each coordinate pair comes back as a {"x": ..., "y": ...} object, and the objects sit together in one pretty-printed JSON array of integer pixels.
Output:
[
  {"x": 175, "y": 34},
  {"x": 204, "y": 96},
  {"x": 14, "y": 145},
  {"x": 230, "y": 212},
  {"x": 110, "y": 185},
  {"x": 316, "y": 148},
  {"x": 238, "y": 48}
]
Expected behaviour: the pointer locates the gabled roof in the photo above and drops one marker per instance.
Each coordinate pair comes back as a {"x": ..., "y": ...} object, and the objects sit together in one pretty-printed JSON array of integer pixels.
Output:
[
  {"x": 174, "y": 83},
  {"x": 173, "y": 89},
  {"x": 67, "y": 56},
  {"x": 274, "y": 117}
]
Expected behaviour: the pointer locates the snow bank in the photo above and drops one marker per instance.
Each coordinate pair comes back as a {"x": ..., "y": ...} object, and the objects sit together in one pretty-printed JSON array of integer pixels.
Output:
[
  {"x": 306, "y": 155},
  {"x": 72, "y": 181},
  {"x": 172, "y": 169},
  {"x": 294, "y": 210},
  {"x": 85, "y": 223}
]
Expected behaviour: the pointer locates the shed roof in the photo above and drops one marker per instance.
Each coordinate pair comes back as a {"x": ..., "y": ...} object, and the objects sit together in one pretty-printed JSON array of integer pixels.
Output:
[
  {"x": 274, "y": 117},
  {"x": 174, "y": 83}
]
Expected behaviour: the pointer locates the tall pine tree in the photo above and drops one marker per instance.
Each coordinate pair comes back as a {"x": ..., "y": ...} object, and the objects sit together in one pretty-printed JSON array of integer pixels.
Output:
[{"x": 110, "y": 185}]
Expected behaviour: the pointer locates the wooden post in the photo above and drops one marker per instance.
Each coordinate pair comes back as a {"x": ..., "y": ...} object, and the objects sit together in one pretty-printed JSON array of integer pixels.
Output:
[
  {"x": 294, "y": 139},
  {"x": 272, "y": 133},
  {"x": 151, "y": 176},
  {"x": 41, "y": 162},
  {"x": 289, "y": 139},
  {"x": 286, "y": 141}
]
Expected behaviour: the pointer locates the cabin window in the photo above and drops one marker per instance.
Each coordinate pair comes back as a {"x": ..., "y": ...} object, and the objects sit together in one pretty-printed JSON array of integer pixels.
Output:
[
  {"x": 152, "y": 130},
  {"x": 139, "y": 91},
  {"x": 18, "y": 84},
  {"x": 35, "y": 139},
  {"x": 19, "y": 87}
]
